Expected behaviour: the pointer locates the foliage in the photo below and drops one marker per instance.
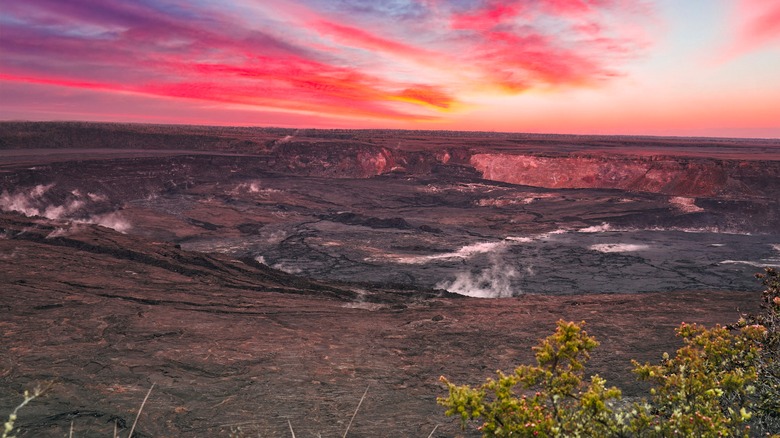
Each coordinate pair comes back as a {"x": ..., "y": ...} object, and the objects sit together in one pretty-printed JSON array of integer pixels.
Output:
[
  {"x": 766, "y": 398},
  {"x": 703, "y": 390},
  {"x": 548, "y": 399},
  {"x": 723, "y": 381}
]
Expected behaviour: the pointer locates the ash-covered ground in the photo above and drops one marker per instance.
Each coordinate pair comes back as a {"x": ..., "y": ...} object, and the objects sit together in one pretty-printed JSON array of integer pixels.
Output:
[{"x": 280, "y": 271}]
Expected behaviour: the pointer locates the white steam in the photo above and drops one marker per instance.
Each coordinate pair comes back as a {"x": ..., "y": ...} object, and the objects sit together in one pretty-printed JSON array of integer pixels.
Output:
[
  {"x": 603, "y": 228},
  {"x": 288, "y": 268},
  {"x": 537, "y": 237},
  {"x": 112, "y": 220},
  {"x": 25, "y": 203},
  {"x": 760, "y": 264},
  {"x": 253, "y": 187},
  {"x": 607, "y": 228},
  {"x": 769, "y": 262},
  {"x": 618, "y": 247},
  {"x": 492, "y": 282},
  {"x": 97, "y": 198},
  {"x": 33, "y": 202},
  {"x": 514, "y": 199},
  {"x": 274, "y": 237},
  {"x": 463, "y": 253},
  {"x": 469, "y": 251},
  {"x": 63, "y": 231},
  {"x": 495, "y": 281}
]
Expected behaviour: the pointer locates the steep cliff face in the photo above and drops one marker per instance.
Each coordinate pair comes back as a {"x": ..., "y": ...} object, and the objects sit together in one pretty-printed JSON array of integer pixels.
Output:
[
  {"x": 691, "y": 167},
  {"x": 349, "y": 159},
  {"x": 665, "y": 175},
  {"x": 342, "y": 160},
  {"x": 669, "y": 175}
]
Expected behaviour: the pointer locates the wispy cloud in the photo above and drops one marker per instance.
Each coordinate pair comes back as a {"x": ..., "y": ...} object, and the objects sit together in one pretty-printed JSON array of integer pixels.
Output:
[
  {"x": 753, "y": 25},
  {"x": 756, "y": 25},
  {"x": 401, "y": 59}
]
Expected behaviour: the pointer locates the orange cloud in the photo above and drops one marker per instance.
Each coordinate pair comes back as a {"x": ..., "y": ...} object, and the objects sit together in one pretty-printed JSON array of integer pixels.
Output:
[{"x": 427, "y": 95}]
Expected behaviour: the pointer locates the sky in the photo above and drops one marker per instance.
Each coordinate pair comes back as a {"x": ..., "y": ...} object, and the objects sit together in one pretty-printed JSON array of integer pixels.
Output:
[{"x": 634, "y": 67}]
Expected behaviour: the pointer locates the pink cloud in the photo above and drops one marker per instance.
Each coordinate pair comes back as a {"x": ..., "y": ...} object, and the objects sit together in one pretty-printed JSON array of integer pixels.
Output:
[
  {"x": 519, "y": 46},
  {"x": 575, "y": 7},
  {"x": 760, "y": 22},
  {"x": 755, "y": 25},
  {"x": 313, "y": 60},
  {"x": 353, "y": 36},
  {"x": 486, "y": 18}
]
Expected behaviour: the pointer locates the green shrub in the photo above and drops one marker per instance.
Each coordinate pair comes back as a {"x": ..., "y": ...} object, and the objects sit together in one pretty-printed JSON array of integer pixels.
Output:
[
  {"x": 703, "y": 390},
  {"x": 548, "y": 399},
  {"x": 766, "y": 398},
  {"x": 724, "y": 381}
]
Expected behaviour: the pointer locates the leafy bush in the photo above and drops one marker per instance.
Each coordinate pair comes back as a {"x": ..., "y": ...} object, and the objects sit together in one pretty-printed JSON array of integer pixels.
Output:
[
  {"x": 724, "y": 381},
  {"x": 548, "y": 399},
  {"x": 703, "y": 390},
  {"x": 766, "y": 399}
]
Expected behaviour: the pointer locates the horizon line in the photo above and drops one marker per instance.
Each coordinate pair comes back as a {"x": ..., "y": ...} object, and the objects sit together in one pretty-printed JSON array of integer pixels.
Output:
[{"x": 299, "y": 128}]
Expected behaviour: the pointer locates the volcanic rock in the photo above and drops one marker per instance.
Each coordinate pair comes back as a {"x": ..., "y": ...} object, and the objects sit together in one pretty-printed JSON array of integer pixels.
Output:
[
  {"x": 231, "y": 345},
  {"x": 262, "y": 278}
]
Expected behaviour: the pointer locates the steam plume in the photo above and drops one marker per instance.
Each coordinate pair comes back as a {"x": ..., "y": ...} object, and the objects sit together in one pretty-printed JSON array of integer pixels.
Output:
[
  {"x": 492, "y": 282},
  {"x": 75, "y": 208}
]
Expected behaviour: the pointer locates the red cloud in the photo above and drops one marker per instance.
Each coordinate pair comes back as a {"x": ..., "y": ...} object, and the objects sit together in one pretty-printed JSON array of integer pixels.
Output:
[
  {"x": 575, "y": 7},
  {"x": 409, "y": 68},
  {"x": 515, "y": 52},
  {"x": 486, "y": 18}
]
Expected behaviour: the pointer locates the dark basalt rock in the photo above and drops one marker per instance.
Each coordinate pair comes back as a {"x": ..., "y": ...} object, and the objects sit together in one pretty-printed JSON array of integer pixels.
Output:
[
  {"x": 202, "y": 224},
  {"x": 250, "y": 228},
  {"x": 365, "y": 221}
]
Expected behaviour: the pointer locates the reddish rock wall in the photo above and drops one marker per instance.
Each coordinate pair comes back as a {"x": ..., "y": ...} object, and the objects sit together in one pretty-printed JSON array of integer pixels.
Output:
[{"x": 672, "y": 176}]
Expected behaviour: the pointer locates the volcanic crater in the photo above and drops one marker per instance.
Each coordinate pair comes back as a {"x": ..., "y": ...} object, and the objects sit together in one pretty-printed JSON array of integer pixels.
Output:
[{"x": 260, "y": 276}]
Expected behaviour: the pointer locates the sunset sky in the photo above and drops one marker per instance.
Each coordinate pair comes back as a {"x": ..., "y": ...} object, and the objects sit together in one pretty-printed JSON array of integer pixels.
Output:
[{"x": 660, "y": 67}]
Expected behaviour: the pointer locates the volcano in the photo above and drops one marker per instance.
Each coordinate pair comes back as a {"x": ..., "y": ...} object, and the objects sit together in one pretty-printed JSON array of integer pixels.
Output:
[{"x": 259, "y": 275}]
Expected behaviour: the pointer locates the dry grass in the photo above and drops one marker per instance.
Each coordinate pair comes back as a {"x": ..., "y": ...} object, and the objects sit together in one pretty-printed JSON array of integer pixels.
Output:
[
  {"x": 38, "y": 391},
  {"x": 9, "y": 428}
]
